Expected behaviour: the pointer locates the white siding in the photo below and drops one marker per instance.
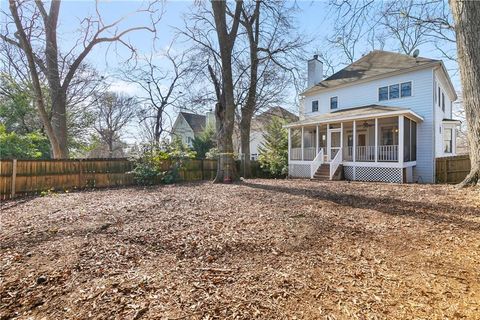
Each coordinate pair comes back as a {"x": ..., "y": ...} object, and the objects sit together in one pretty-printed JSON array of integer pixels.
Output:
[
  {"x": 440, "y": 82},
  {"x": 182, "y": 130},
  {"x": 421, "y": 102}
]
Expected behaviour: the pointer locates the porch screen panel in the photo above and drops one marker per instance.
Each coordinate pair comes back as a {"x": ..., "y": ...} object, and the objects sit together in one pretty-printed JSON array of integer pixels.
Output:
[
  {"x": 413, "y": 135},
  {"x": 407, "y": 145}
]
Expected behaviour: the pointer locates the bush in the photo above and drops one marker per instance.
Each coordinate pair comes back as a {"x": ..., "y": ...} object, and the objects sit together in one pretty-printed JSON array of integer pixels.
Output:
[
  {"x": 160, "y": 164},
  {"x": 273, "y": 156},
  {"x": 28, "y": 146}
]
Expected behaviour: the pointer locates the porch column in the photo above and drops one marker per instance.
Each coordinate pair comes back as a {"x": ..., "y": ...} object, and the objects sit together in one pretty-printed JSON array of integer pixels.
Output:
[
  {"x": 289, "y": 144},
  {"x": 302, "y": 145},
  {"x": 400, "y": 138},
  {"x": 341, "y": 139},
  {"x": 354, "y": 144},
  {"x": 376, "y": 139},
  {"x": 318, "y": 147}
]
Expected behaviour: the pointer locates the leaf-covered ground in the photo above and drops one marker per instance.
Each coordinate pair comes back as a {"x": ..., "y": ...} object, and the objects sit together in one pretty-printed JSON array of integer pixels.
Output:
[{"x": 266, "y": 249}]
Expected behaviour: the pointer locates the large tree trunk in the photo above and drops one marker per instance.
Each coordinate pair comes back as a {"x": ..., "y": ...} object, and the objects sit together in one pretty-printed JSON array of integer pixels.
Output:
[
  {"x": 467, "y": 27},
  {"x": 225, "y": 108},
  {"x": 59, "y": 125}
]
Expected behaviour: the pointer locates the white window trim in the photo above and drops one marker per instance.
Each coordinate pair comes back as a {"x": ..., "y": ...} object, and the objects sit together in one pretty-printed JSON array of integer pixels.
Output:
[
  {"x": 454, "y": 139},
  {"x": 330, "y": 103},
  {"x": 399, "y": 92}
]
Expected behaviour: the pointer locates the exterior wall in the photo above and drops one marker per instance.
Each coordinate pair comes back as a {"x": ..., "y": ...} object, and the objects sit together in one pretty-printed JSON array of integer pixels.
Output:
[
  {"x": 421, "y": 102},
  {"x": 182, "y": 130},
  {"x": 440, "y": 82},
  {"x": 256, "y": 140}
]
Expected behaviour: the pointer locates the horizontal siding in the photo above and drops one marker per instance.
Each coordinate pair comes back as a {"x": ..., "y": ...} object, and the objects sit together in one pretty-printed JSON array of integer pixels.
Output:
[{"x": 421, "y": 102}]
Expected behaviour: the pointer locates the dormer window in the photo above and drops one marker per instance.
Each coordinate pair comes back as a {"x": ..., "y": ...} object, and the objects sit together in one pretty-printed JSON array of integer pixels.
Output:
[
  {"x": 315, "y": 106},
  {"x": 333, "y": 102}
]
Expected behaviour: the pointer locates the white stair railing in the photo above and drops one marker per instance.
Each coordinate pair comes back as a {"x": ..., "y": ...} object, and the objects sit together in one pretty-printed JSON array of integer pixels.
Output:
[
  {"x": 316, "y": 163},
  {"x": 335, "y": 163}
]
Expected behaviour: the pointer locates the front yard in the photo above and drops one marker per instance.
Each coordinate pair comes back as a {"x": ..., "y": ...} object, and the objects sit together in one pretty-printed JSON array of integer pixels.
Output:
[{"x": 266, "y": 249}]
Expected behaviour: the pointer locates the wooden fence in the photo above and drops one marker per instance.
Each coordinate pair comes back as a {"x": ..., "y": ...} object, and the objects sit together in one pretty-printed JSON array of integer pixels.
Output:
[
  {"x": 20, "y": 177},
  {"x": 452, "y": 169}
]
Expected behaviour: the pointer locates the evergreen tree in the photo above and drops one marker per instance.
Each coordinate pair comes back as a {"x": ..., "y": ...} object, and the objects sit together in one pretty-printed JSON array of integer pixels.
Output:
[{"x": 274, "y": 151}]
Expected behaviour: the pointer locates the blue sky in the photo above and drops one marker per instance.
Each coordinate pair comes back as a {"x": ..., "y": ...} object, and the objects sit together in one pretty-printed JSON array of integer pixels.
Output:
[{"x": 314, "y": 20}]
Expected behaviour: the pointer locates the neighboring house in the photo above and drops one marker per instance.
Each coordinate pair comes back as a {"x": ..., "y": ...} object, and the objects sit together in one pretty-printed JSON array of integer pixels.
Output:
[
  {"x": 188, "y": 125},
  {"x": 385, "y": 117},
  {"x": 259, "y": 125}
]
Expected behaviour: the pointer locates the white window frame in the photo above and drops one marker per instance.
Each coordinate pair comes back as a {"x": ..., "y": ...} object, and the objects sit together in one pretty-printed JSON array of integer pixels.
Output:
[
  {"x": 454, "y": 139},
  {"x": 399, "y": 92}
]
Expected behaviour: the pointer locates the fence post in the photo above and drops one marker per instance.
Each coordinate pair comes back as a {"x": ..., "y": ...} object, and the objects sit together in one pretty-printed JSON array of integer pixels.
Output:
[
  {"x": 14, "y": 176},
  {"x": 80, "y": 173},
  {"x": 446, "y": 170}
]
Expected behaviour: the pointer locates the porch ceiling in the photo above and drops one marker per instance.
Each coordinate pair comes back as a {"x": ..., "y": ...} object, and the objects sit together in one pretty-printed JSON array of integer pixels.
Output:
[{"x": 359, "y": 113}]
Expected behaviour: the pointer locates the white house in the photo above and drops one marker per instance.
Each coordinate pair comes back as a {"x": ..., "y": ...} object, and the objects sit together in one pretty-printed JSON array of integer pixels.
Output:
[
  {"x": 385, "y": 117},
  {"x": 188, "y": 125},
  {"x": 258, "y": 128}
]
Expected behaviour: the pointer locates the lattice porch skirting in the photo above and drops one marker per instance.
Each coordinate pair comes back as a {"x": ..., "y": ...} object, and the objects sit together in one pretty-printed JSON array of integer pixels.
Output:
[
  {"x": 373, "y": 174},
  {"x": 299, "y": 170}
]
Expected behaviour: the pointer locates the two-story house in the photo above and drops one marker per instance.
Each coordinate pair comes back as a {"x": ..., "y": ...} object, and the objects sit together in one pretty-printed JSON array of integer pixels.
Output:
[{"x": 385, "y": 117}]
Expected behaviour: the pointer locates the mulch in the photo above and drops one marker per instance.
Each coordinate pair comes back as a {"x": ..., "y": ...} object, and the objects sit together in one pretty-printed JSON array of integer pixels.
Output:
[{"x": 259, "y": 249}]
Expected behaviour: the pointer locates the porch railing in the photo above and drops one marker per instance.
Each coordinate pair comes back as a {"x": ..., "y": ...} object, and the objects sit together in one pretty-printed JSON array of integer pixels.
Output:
[
  {"x": 316, "y": 163},
  {"x": 367, "y": 153},
  {"x": 388, "y": 153},
  {"x": 309, "y": 154},
  {"x": 296, "y": 153},
  {"x": 336, "y": 161}
]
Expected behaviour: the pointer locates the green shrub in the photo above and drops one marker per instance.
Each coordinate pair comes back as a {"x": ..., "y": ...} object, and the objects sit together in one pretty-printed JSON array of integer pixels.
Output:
[
  {"x": 273, "y": 156},
  {"x": 161, "y": 164}
]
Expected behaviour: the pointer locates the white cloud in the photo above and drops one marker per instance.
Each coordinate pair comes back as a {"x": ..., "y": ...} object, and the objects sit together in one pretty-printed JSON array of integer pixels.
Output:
[{"x": 125, "y": 87}]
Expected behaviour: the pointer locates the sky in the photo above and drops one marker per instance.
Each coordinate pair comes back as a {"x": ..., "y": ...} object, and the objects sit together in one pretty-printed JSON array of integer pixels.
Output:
[{"x": 314, "y": 19}]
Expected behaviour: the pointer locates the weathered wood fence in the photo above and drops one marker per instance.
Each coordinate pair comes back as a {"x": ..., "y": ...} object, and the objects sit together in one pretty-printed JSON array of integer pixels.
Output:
[
  {"x": 20, "y": 177},
  {"x": 452, "y": 169}
]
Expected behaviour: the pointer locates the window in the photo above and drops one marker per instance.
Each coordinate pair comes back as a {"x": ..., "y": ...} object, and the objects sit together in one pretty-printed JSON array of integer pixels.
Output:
[
  {"x": 447, "y": 140},
  {"x": 333, "y": 102},
  {"x": 315, "y": 106},
  {"x": 393, "y": 91},
  {"x": 439, "y": 96},
  {"x": 406, "y": 88},
  {"x": 443, "y": 102},
  {"x": 383, "y": 93},
  {"x": 389, "y": 136}
]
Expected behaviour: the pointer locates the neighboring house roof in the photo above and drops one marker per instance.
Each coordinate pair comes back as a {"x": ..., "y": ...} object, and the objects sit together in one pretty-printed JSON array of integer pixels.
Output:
[
  {"x": 357, "y": 113},
  {"x": 261, "y": 120},
  {"x": 374, "y": 64},
  {"x": 195, "y": 121}
]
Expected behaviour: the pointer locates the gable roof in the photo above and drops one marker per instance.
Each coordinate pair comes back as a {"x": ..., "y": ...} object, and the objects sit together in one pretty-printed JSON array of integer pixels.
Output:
[
  {"x": 261, "y": 120},
  {"x": 195, "y": 121},
  {"x": 374, "y": 64}
]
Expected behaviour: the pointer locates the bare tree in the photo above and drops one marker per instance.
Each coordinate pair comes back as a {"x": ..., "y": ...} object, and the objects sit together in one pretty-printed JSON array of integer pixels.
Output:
[
  {"x": 36, "y": 35},
  {"x": 161, "y": 86},
  {"x": 467, "y": 29},
  {"x": 268, "y": 31},
  {"x": 224, "y": 88},
  {"x": 113, "y": 113}
]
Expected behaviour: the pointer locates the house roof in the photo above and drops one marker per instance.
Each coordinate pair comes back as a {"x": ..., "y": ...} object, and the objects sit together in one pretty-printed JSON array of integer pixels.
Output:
[
  {"x": 358, "y": 113},
  {"x": 374, "y": 64},
  {"x": 264, "y": 118},
  {"x": 195, "y": 121}
]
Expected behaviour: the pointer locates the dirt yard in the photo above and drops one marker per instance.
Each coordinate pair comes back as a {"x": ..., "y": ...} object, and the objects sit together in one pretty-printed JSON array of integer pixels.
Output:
[{"x": 261, "y": 249}]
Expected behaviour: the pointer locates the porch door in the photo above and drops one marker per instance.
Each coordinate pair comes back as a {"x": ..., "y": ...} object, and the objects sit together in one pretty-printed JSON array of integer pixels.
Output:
[{"x": 334, "y": 143}]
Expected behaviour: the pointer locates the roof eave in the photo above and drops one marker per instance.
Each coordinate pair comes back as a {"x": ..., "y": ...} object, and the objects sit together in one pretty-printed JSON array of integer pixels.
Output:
[{"x": 387, "y": 114}]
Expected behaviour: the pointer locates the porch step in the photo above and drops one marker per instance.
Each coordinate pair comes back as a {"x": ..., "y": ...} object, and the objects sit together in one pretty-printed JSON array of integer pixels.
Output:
[{"x": 323, "y": 172}]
